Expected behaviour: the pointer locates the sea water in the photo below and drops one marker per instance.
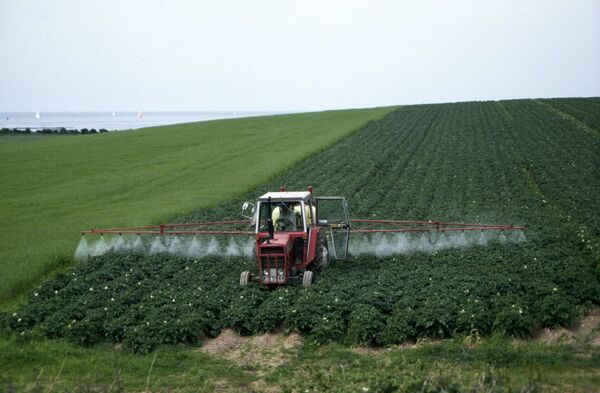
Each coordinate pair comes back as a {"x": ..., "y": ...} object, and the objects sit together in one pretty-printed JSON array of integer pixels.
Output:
[{"x": 113, "y": 122}]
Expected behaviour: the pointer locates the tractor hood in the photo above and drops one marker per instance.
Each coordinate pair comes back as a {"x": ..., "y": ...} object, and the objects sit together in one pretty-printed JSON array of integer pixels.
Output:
[{"x": 282, "y": 240}]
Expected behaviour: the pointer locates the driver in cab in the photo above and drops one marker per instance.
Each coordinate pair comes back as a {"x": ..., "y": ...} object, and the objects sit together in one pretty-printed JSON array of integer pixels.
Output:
[{"x": 284, "y": 218}]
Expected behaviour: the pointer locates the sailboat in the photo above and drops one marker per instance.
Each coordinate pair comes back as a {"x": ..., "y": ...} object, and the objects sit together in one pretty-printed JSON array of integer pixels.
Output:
[
  {"x": 37, "y": 115},
  {"x": 140, "y": 114},
  {"x": 113, "y": 114}
]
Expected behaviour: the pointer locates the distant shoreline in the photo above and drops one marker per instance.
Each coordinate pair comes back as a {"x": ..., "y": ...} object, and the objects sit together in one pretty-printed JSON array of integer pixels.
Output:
[
  {"x": 51, "y": 130},
  {"x": 114, "y": 121}
]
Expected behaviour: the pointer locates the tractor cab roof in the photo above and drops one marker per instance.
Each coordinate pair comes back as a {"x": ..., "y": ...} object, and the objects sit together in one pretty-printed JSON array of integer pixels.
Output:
[{"x": 286, "y": 196}]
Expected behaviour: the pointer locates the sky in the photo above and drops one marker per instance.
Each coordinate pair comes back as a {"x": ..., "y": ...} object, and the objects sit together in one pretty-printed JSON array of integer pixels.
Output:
[{"x": 106, "y": 55}]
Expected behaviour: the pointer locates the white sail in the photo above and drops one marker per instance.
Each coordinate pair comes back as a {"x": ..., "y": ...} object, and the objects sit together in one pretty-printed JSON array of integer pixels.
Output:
[{"x": 37, "y": 115}]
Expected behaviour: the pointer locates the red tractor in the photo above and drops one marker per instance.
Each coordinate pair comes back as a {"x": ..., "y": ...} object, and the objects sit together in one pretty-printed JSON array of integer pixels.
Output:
[{"x": 296, "y": 234}]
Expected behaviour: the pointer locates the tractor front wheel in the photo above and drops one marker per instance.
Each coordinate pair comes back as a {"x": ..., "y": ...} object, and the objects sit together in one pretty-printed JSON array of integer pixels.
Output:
[
  {"x": 307, "y": 279},
  {"x": 244, "y": 278}
]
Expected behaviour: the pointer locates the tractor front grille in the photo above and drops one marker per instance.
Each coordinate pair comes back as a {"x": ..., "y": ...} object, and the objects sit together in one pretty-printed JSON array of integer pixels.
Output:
[
  {"x": 272, "y": 260},
  {"x": 271, "y": 250}
]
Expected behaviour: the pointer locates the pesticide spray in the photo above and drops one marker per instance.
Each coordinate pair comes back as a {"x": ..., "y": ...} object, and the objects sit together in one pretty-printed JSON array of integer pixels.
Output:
[
  {"x": 378, "y": 244},
  {"x": 188, "y": 246},
  {"x": 382, "y": 244}
]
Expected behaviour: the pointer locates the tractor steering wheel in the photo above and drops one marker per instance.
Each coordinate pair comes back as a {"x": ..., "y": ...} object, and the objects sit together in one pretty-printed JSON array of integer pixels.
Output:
[{"x": 284, "y": 224}]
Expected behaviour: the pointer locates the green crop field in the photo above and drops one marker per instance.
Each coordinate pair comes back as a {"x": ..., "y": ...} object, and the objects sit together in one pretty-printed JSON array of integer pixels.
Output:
[
  {"x": 56, "y": 186},
  {"x": 534, "y": 163}
]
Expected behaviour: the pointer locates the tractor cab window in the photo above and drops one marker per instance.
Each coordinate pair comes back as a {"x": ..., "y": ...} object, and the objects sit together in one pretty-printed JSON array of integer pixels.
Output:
[{"x": 286, "y": 216}]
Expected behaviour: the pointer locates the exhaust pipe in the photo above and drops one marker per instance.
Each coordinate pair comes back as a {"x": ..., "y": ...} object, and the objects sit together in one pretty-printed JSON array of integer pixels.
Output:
[{"x": 270, "y": 221}]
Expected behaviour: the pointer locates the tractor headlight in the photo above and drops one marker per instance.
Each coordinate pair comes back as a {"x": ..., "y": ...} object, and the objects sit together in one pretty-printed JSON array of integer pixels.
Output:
[
  {"x": 280, "y": 272},
  {"x": 266, "y": 272}
]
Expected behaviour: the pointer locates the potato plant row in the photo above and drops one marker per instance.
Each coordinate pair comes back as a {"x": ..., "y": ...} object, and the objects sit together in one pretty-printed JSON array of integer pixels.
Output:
[{"x": 518, "y": 162}]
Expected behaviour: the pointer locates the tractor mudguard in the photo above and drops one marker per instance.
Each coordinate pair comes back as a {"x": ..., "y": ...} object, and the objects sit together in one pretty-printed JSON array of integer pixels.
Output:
[{"x": 311, "y": 247}]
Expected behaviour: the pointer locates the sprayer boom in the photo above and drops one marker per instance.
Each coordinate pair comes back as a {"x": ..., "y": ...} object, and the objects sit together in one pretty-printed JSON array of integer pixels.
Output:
[
  {"x": 383, "y": 226},
  {"x": 185, "y": 229}
]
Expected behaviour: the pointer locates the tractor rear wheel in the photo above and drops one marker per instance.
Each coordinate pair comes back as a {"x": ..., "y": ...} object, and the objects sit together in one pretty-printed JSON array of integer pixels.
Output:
[
  {"x": 244, "y": 278},
  {"x": 307, "y": 279},
  {"x": 322, "y": 253}
]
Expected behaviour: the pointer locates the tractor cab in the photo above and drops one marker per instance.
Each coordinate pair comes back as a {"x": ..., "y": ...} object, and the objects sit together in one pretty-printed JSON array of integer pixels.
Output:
[
  {"x": 287, "y": 211},
  {"x": 296, "y": 235}
]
